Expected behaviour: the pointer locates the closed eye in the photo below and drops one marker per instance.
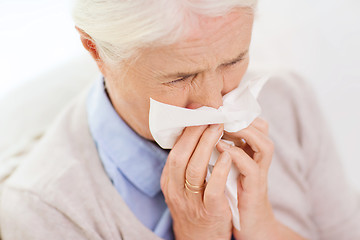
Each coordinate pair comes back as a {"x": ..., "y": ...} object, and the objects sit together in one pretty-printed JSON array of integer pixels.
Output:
[
  {"x": 181, "y": 79},
  {"x": 233, "y": 62}
]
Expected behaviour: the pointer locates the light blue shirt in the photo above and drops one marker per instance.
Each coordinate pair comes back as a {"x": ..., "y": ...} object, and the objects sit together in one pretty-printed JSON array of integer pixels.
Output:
[{"x": 133, "y": 164}]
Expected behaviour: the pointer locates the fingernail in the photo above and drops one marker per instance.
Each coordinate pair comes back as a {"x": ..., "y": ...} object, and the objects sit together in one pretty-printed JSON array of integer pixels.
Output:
[
  {"x": 242, "y": 143},
  {"x": 224, "y": 145}
]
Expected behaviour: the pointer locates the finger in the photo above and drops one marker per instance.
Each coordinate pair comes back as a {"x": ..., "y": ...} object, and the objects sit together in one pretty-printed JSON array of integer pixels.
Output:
[
  {"x": 198, "y": 164},
  {"x": 261, "y": 144},
  {"x": 239, "y": 142},
  {"x": 231, "y": 136},
  {"x": 246, "y": 166},
  {"x": 181, "y": 153},
  {"x": 215, "y": 188},
  {"x": 244, "y": 163},
  {"x": 258, "y": 123}
]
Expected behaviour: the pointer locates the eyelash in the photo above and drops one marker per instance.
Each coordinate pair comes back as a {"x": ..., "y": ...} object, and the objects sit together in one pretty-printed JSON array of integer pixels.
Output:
[
  {"x": 187, "y": 77},
  {"x": 180, "y": 79},
  {"x": 234, "y": 62}
]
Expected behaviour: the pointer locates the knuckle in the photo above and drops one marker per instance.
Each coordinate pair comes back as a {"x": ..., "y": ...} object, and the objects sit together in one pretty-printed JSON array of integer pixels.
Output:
[
  {"x": 221, "y": 169},
  {"x": 269, "y": 146},
  {"x": 175, "y": 158},
  {"x": 207, "y": 140},
  {"x": 265, "y": 125},
  {"x": 212, "y": 196},
  {"x": 172, "y": 198},
  {"x": 163, "y": 183},
  {"x": 193, "y": 173},
  {"x": 202, "y": 214},
  {"x": 238, "y": 152},
  {"x": 171, "y": 155},
  {"x": 210, "y": 137},
  {"x": 196, "y": 130},
  {"x": 252, "y": 171},
  {"x": 196, "y": 214},
  {"x": 223, "y": 173}
]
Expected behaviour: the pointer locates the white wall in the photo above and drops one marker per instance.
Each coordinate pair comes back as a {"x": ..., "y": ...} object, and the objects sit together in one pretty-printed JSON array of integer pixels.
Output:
[
  {"x": 321, "y": 41},
  {"x": 35, "y": 36},
  {"x": 318, "y": 39}
]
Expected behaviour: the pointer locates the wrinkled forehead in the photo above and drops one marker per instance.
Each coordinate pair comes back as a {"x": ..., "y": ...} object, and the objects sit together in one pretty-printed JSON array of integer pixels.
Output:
[
  {"x": 204, "y": 27},
  {"x": 210, "y": 36}
]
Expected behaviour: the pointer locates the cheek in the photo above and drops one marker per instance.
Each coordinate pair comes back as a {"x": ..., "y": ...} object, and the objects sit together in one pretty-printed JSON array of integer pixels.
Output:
[
  {"x": 139, "y": 88},
  {"x": 173, "y": 96}
]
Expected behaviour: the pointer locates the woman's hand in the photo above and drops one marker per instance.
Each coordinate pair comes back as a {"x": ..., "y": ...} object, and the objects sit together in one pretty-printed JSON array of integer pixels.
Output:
[
  {"x": 253, "y": 157},
  {"x": 199, "y": 211}
]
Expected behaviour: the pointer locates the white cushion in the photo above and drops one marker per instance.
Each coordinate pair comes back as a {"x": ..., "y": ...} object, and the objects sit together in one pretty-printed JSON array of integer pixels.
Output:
[{"x": 28, "y": 110}]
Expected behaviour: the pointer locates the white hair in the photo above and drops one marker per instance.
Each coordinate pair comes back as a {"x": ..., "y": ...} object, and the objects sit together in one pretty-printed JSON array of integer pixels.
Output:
[{"x": 121, "y": 27}]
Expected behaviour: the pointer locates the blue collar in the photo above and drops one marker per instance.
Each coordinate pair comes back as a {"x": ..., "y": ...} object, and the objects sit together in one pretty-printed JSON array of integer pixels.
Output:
[{"x": 138, "y": 159}]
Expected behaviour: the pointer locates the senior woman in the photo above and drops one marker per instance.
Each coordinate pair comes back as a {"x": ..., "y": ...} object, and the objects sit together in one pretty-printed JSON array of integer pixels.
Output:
[{"x": 98, "y": 174}]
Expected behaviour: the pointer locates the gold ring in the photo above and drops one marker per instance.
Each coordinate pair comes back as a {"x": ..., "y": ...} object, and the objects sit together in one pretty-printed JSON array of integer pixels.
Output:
[{"x": 194, "y": 188}]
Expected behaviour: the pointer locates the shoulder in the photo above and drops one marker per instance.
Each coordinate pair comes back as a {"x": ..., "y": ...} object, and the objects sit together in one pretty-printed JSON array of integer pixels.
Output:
[
  {"x": 62, "y": 181},
  {"x": 296, "y": 122},
  {"x": 57, "y": 153},
  {"x": 287, "y": 90},
  {"x": 286, "y": 101},
  {"x": 290, "y": 105},
  {"x": 51, "y": 180}
]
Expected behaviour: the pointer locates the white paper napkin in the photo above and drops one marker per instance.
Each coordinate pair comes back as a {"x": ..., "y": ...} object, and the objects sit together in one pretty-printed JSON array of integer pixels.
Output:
[{"x": 240, "y": 108}]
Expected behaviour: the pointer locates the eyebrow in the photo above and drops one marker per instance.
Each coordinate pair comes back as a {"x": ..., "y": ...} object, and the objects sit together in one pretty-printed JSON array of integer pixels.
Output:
[{"x": 188, "y": 74}]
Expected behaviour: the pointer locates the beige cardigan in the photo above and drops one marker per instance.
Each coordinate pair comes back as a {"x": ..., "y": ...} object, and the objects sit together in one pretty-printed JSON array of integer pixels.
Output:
[{"x": 61, "y": 191}]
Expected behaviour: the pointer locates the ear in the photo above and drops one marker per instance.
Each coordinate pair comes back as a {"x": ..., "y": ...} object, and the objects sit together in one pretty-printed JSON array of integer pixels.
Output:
[{"x": 90, "y": 46}]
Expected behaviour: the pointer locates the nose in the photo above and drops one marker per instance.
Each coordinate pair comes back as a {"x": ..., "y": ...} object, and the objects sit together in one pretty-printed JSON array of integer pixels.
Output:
[{"x": 208, "y": 92}]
